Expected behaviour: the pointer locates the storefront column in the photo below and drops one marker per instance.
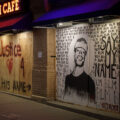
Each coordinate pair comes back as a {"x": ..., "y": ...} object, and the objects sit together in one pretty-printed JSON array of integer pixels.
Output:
[
  {"x": 51, "y": 63},
  {"x": 43, "y": 79}
]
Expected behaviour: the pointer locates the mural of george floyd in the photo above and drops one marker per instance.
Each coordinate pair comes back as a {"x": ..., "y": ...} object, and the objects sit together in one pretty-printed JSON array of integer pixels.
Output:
[{"x": 88, "y": 64}]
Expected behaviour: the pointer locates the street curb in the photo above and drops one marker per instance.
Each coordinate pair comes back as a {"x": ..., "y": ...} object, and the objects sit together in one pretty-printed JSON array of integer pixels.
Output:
[
  {"x": 90, "y": 114},
  {"x": 48, "y": 102}
]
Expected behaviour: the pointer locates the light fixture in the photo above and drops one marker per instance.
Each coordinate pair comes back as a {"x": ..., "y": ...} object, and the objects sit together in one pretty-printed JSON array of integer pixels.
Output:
[
  {"x": 64, "y": 24},
  {"x": 60, "y": 24}
]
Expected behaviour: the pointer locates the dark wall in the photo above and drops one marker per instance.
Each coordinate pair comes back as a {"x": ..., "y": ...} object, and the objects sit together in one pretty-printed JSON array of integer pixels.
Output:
[
  {"x": 37, "y": 8},
  {"x": 56, "y": 4}
]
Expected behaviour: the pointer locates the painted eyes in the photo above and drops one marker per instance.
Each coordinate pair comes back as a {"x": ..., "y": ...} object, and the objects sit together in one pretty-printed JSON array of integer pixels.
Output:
[{"x": 80, "y": 51}]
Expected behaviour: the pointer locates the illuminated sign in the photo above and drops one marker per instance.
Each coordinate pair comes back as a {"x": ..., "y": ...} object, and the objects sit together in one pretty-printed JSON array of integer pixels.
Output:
[{"x": 9, "y": 7}]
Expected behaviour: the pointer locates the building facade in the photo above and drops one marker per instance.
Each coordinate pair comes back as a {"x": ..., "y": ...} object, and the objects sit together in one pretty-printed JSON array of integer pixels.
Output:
[
  {"x": 87, "y": 51},
  {"x": 71, "y": 54}
]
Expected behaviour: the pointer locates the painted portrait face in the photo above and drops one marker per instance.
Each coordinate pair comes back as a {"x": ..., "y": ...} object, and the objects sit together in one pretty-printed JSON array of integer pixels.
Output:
[{"x": 80, "y": 53}]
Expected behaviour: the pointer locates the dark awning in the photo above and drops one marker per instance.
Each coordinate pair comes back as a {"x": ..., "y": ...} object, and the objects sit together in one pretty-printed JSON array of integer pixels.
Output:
[
  {"x": 10, "y": 22},
  {"x": 19, "y": 23},
  {"x": 91, "y": 8}
]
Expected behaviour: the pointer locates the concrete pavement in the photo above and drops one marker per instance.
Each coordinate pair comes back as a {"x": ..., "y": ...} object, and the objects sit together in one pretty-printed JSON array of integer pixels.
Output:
[{"x": 17, "y": 108}]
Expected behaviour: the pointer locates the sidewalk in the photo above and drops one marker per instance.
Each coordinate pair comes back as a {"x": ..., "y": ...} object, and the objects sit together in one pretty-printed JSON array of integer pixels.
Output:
[
  {"x": 20, "y": 102},
  {"x": 91, "y": 112}
]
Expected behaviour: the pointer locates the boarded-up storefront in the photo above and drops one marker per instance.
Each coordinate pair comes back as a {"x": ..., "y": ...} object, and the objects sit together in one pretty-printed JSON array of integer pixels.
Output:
[
  {"x": 44, "y": 63},
  {"x": 16, "y": 58},
  {"x": 88, "y": 60}
]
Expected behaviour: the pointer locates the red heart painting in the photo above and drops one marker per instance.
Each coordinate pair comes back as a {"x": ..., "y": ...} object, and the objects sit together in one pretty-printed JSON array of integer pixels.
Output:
[{"x": 10, "y": 64}]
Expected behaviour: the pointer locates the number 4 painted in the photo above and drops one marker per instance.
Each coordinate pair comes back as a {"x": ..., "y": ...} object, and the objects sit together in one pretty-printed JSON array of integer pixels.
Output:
[{"x": 22, "y": 66}]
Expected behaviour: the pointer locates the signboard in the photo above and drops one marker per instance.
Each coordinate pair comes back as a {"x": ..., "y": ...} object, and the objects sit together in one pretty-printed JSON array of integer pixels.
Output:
[
  {"x": 9, "y": 7},
  {"x": 13, "y": 7}
]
